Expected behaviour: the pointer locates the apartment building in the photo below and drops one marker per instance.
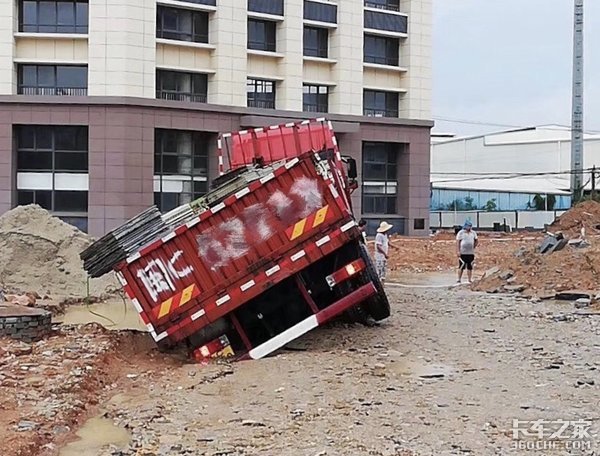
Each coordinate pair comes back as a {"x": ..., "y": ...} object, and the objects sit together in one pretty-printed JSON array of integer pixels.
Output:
[{"x": 110, "y": 106}]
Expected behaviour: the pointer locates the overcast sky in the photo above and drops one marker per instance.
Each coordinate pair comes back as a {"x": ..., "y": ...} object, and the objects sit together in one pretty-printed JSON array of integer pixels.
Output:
[{"x": 510, "y": 62}]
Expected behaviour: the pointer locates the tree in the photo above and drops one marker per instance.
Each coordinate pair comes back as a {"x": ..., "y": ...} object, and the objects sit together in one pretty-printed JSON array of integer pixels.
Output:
[
  {"x": 469, "y": 206},
  {"x": 543, "y": 204},
  {"x": 456, "y": 205},
  {"x": 490, "y": 206}
]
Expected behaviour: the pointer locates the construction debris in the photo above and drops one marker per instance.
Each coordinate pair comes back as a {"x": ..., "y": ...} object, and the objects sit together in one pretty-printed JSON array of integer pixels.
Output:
[
  {"x": 100, "y": 257},
  {"x": 559, "y": 264},
  {"x": 39, "y": 254}
]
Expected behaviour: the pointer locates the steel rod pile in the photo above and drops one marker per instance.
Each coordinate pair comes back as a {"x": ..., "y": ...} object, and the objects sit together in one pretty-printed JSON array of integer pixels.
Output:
[{"x": 114, "y": 247}]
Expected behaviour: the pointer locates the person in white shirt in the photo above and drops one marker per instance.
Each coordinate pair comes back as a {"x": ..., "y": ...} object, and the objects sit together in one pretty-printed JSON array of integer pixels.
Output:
[
  {"x": 466, "y": 242},
  {"x": 382, "y": 246}
]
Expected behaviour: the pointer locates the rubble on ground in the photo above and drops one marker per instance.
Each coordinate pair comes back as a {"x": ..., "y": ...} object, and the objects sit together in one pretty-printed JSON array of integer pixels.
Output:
[
  {"x": 438, "y": 253},
  {"x": 50, "y": 383},
  {"x": 564, "y": 263},
  {"x": 39, "y": 255}
]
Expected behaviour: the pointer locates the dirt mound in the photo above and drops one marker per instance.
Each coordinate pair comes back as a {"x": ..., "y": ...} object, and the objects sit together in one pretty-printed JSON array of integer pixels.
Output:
[
  {"x": 40, "y": 253},
  {"x": 543, "y": 275},
  {"x": 586, "y": 213},
  {"x": 438, "y": 253}
]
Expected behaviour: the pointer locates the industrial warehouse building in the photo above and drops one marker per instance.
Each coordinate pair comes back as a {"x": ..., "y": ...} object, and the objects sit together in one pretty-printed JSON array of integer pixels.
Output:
[
  {"x": 110, "y": 106},
  {"x": 515, "y": 170}
]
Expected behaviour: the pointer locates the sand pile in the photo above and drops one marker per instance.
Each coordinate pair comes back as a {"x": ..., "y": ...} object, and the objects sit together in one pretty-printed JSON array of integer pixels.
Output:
[
  {"x": 586, "y": 213},
  {"x": 40, "y": 253}
]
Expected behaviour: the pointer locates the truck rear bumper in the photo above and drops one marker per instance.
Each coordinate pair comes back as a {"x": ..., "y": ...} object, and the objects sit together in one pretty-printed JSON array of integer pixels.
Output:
[{"x": 312, "y": 322}]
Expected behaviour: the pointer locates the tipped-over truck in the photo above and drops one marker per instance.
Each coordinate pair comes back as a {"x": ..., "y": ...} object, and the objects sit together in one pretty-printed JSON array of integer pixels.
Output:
[{"x": 270, "y": 253}]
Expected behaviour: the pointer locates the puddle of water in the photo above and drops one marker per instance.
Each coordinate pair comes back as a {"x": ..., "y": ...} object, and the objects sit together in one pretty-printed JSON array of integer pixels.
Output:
[
  {"x": 96, "y": 434},
  {"x": 113, "y": 314}
]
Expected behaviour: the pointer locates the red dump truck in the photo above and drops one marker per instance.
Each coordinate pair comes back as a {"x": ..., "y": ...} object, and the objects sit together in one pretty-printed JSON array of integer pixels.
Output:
[{"x": 271, "y": 252}]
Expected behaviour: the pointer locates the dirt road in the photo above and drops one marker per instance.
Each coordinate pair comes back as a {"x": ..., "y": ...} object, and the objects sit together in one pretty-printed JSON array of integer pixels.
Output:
[{"x": 447, "y": 374}]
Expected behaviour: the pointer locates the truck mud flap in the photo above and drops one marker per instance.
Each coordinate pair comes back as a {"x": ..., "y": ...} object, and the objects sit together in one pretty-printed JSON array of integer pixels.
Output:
[{"x": 312, "y": 322}]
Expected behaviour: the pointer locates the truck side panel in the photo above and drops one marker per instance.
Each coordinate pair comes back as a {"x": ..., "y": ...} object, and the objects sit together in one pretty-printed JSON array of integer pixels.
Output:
[{"x": 235, "y": 250}]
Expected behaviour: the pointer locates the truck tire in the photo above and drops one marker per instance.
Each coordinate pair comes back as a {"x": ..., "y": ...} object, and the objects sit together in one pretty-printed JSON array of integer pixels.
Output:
[
  {"x": 378, "y": 306},
  {"x": 357, "y": 314}
]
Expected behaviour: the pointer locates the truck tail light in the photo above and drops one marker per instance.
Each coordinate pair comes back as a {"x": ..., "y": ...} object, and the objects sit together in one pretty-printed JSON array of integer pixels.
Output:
[
  {"x": 345, "y": 273},
  {"x": 218, "y": 348}
]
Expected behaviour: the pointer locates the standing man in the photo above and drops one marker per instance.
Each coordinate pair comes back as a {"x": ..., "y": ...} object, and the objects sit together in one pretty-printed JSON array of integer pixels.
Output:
[
  {"x": 362, "y": 226},
  {"x": 382, "y": 246},
  {"x": 466, "y": 242}
]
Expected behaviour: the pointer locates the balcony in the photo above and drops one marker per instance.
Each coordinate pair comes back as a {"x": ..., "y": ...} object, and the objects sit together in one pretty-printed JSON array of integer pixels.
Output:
[
  {"x": 315, "y": 108},
  {"x": 378, "y": 60},
  {"x": 53, "y": 91},
  {"x": 181, "y": 25},
  {"x": 380, "y": 112},
  {"x": 264, "y": 104},
  {"x": 388, "y": 5},
  {"x": 201, "y": 2},
  {"x": 172, "y": 95},
  {"x": 271, "y": 7},
  {"x": 320, "y": 12},
  {"x": 394, "y": 23}
]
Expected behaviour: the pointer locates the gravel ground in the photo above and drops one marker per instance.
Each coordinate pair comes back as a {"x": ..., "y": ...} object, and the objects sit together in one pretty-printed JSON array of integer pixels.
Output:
[{"x": 446, "y": 374}]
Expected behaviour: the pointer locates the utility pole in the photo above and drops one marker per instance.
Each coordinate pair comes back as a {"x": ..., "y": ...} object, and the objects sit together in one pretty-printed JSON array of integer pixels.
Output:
[
  {"x": 577, "y": 105},
  {"x": 594, "y": 183}
]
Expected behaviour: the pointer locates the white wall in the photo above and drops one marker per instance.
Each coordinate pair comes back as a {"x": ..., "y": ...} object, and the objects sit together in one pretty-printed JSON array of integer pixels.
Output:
[
  {"x": 8, "y": 21},
  {"x": 491, "y": 155},
  {"x": 416, "y": 56},
  {"x": 486, "y": 220},
  {"x": 122, "y": 48}
]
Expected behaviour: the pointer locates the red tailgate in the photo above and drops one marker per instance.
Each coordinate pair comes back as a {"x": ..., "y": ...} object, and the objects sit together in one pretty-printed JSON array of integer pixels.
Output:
[{"x": 274, "y": 143}]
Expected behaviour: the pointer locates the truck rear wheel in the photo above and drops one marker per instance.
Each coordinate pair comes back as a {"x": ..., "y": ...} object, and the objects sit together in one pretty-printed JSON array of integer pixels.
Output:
[{"x": 377, "y": 306}]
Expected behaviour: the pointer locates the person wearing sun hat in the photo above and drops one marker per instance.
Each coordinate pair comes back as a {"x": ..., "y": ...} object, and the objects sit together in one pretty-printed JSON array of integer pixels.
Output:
[
  {"x": 382, "y": 246},
  {"x": 466, "y": 242}
]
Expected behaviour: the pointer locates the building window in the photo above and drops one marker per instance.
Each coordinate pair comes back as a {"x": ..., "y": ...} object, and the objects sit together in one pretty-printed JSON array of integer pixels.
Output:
[
  {"x": 181, "y": 24},
  {"x": 52, "y": 167},
  {"x": 380, "y": 104},
  {"x": 42, "y": 16},
  {"x": 316, "y": 42},
  {"x": 59, "y": 80},
  {"x": 380, "y": 177},
  {"x": 315, "y": 98},
  {"x": 180, "y": 86},
  {"x": 262, "y": 35},
  {"x": 261, "y": 93},
  {"x": 381, "y": 50},
  {"x": 390, "y": 5},
  {"x": 180, "y": 167}
]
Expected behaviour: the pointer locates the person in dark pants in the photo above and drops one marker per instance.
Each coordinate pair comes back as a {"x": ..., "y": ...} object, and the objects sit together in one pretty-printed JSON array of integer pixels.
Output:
[
  {"x": 466, "y": 242},
  {"x": 362, "y": 226}
]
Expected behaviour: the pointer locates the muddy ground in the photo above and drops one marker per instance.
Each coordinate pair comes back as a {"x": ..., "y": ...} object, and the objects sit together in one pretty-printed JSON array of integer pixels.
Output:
[{"x": 446, "y": 374}]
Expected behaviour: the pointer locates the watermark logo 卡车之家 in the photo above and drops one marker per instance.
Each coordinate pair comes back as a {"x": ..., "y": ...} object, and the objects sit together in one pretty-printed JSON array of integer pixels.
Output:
[{"x": 538, "y": 435}]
